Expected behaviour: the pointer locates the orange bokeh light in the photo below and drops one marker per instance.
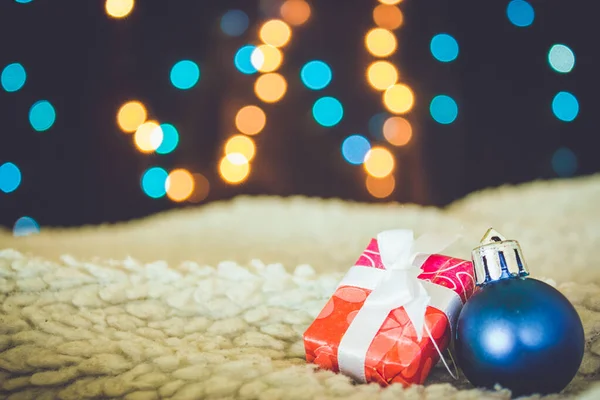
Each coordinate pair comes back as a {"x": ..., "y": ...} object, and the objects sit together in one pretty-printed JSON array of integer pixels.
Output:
[
  {"x": 380, "y": 187},
  {"x": 382, "y": 74},
  {"x": 387, "y": 17},
  {"x": 379, "y": 162},
  {"x": 380, "y": 42},
  {"x": 250, "y": 120},
  {"x": 275, "y": 32},
  {"x": 148, "y": 137},
  {"x": 118, "y": 8},
  {"x": 241, "y": 144},
  {"x": 397, "y": 131},
  {"x": 270, "y": 88},
  {"x": 179, "y": 185},
  {"x": 201, "y": 188},
  {"x": 266, "y": 58},
  {"x": 234, "y": 168},
  {"x": 398, "y": 98},
  {"x": 295, "y": 12},
  {"x": 131, "y": 115},
  {"x": 390, "y": 2}
]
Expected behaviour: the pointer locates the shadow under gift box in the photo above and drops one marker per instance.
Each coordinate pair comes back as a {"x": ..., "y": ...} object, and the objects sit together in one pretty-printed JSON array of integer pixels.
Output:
[{"x": 395, "y": 355}]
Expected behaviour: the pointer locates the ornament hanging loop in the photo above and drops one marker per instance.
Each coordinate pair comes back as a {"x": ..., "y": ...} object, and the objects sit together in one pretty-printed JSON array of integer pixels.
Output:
[{"x": 497, "y": 258}]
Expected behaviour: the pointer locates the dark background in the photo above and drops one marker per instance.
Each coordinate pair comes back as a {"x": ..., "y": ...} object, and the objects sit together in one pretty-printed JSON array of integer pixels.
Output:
[{"x": 84, "y": 170}]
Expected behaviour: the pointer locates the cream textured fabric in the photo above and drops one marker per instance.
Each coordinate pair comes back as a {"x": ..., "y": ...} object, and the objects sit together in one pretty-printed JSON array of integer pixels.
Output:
[{"x": 212, "y": 302}]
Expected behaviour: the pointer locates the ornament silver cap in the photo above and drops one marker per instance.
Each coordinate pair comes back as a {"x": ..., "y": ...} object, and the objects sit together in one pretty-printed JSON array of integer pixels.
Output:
[{"x": 497, "y": 258}]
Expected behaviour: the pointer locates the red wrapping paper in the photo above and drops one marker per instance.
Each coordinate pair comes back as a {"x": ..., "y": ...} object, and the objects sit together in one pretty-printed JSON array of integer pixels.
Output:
[{"x": 395, "y": 354}]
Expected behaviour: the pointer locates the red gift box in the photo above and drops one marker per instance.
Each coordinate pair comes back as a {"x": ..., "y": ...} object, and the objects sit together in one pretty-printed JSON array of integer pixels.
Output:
[{"x": 395, "y": 354}]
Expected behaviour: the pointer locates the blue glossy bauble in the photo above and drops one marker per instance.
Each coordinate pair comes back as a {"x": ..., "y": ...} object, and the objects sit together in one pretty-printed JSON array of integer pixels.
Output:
[{"x": 522, "y": 334}]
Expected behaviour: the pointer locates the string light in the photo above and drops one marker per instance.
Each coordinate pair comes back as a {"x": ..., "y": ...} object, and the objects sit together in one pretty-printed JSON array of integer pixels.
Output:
[
  {"x": 13, "y": 77},
  {"x": 266, "y": 58},
  {"x": 270, "y": 88},
  {"x": 148, "y": 137},
  {"x": 275, "y": 33},
  {"x": 131, "y": 115},
  {"x": 295, "y": 12},
  {"x": 388, "y": 16},
  {"x": 250, "y": 120},
  {"x": 397, "y": 131},
  {"x": 382, "y": 74},
  {"x": 398, "y": 98},
  {"x": 118, "y": 8},
  {"x": 380, "y": 42},
  {"x": 390, "y": 2},
  {"x": 379, "y": 162},
  {"x": 153, "y": 182},
  {"x": 380, "y": 187},
  {"x": 241, "y": 144},
  {"x": 42, "y": 115},
  {"x": 201, "y": 188},
  {"x": 179, "y": 185},
  {"x": 234, "y": 168},
  {"x": 10, "y": 177}
]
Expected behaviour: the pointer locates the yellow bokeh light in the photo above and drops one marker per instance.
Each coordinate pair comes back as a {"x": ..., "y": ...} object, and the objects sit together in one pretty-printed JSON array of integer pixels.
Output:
[
  {"x": 118, "y": 8},
  {"x": 397, "y": 131},
  {"x": 379, "y": 162},
  {"x": 201, "y": 188},
  {"x": 380, "y": 42},
  {"x": 241, "y": 144},
  {"x": 382, "y": 74},
  {"x": 295, "y": 12},
  {"x": 148, "y": 137},
  {"x": 275, "y": 32},
  {"x": 266, "y": 58},
  {"x": 270, "y": 88},
  {"x": 388, "y": 17},
  {"x": 234, "y": 168},
  {"x": 380, "y": 187},
  {"x": 131, "y": 115},
  {"x": 390, "y": 2},
  {"x": 250, "y": 120},
  {"x": 179, "y": 185},
  {"x": 398, "y": 99}
]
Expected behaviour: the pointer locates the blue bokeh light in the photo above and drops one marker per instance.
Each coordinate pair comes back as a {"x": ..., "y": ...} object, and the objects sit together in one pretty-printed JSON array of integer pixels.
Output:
[
  {"x": 443, "y": 109},
  {"x": 26, "y": 226},
  {"x": 13, "y": 77},
  {"x": 565, "y": 106},
  {"x": 42, "y": 115},
  {"x": 185, "y": 74},
  {"x": 375, "y": 125},
  {"x": 10, "y": 177},
  {"x": 243, "y": 59},
  {"x": 315, "y": 75},
  {"x": 234, "y": 22},
  {"x": 328, "y": 111},
  {"x": 154, "y": 182},
  {"x": 564, "y": 162},
  {"x": 355, "y": 148},
  {"x": 520, "y": 13},
  {"x": 23, "y": 1},
  {"x": 444, "y": 47},
  {"x": 170, "y": 139},
  {"x": 561, "y": 58}
]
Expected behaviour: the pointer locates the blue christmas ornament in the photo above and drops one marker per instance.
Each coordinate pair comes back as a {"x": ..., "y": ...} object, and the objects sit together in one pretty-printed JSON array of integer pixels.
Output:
[{"x": 515, "y": 331}]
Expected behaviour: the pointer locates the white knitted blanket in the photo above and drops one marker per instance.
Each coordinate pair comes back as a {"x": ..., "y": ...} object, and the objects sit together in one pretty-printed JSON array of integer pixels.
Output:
[{"x": 212, "y": 302}]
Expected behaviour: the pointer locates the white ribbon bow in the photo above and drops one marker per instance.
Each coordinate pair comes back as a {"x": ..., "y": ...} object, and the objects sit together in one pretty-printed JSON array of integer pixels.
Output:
[{"x": 396, "y": 286}]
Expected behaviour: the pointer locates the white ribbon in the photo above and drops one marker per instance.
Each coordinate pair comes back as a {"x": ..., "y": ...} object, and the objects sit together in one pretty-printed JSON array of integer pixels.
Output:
[{"x": 396, "y": 286}]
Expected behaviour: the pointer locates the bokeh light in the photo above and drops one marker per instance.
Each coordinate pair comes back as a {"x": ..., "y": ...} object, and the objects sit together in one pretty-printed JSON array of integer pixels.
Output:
[
  {"x": 131, "y": 115},
  {"x": 234, "y": 168},
  {"x": 444, "y": 47},
  {"x": 26, "y": 226},
  {"x": 118, "y": 8},
  {"x": 315, "y": 75},
  {"x": 390, "y": 2},
  {"x": 23, "y": 1},
  {"x": 271, "y": 87},
  {"x": 561, "y": 58},
  {"x": 243, "y": 59},
  {"x": 295, "y": 12},
  {"x": 565, "y": 106},
  {"x": 382, "y": 74},
  {"x": 250, "y": 120},
  {"x": 201, "y": 188},
  {"x": 234, "y": 22},
  {"x": 564, "y": 162},
  {"x": 179, "y": 185},
  {"x": 380, "y": 187},
  {"x": 328, "y": 111},
  {"x": 398, "y": 98},
  {"x": 376, "y": 124},
  {"x": 379, "y": 162},
  {"x": 154, "y": 182},
  {"x": 148, "y": 137},
  {"x": 380, "y": 42},
  {"x": 241, "y": 144},
  {"x": 42, "y": 115},
  {"x": 520, "y": 13},
  {"x": 387, "y": 16},
  {"x": 266, "y": 58},
  {"x": 275, "y": 32},
  {"x": 397, "y": 131},
  {"x": 10, "y": 177},
  {"x": 443, "y": 109},
  {"x": 185, "y": 74},
  {"x": 355, "y": 148},
  {"x": 13, "y": 77},
  {"x": 170, "y": 139}
]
